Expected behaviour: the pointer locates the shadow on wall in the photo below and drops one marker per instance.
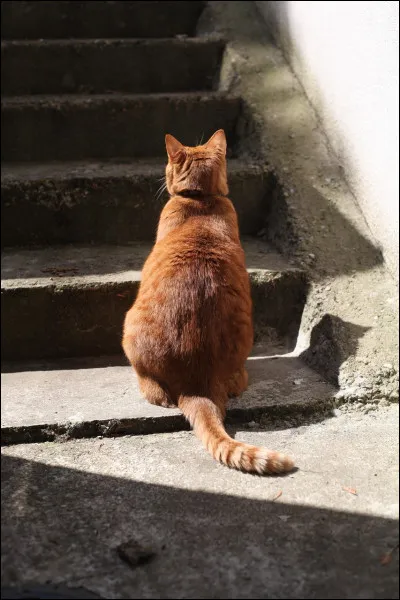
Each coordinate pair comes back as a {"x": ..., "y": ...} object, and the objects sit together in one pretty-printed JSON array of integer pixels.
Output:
[
  {"x": 332, "y": 342},
  {"x": 63, "y": 526},
  {"x": 336, "y": 247}
]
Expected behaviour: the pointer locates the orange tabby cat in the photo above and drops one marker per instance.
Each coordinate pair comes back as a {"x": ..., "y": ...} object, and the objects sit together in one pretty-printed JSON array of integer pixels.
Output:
[{"x": 190, "y": 330}]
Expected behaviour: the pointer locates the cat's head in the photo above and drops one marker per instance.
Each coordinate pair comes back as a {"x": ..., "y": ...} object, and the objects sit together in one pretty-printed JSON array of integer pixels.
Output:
[{"x": 199, "y": 170}]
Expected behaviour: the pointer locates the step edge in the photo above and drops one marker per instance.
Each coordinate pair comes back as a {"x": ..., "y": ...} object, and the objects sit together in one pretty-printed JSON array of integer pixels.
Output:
[
  {"x": 45, "y": 100},
  {"x": 104, "y": 170},
  {"x": 133, "y": 277},
  {"x": 180, "y": 40},
  {"x": 167, "y": 423}
]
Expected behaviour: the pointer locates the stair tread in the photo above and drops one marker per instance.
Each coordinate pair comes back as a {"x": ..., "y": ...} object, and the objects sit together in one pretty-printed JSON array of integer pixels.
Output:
[
  {"x": 85, "y": 264},
  {"x": 56, "y": 100},
  {"x": 69, "y": 301},
  {"x": 182, "y": 40},
  {"x": 87, "y": 398},
  {"x": 117, "y": 167}
]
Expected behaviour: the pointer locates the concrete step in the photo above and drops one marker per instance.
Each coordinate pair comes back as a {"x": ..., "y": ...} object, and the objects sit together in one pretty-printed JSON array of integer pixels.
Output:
[
  {"x": 70, "y": 300},
  {"x": 106, "y": 65},
  {"x": 74, "y": 399},
  {"x": 75, "y": 127},
  {"x": 91, "y": 19},
  {"x": 108, "y": 202}
]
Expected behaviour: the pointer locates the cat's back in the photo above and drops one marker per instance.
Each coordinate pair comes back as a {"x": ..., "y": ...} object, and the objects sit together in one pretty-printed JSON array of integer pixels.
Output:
[
  {"x": 195, "y": 293},
  {"x": 191, "y": 235}
]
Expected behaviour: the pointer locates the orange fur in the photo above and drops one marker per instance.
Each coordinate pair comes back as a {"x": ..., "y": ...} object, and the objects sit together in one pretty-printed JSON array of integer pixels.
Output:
[{"x": 190, "y": 330}]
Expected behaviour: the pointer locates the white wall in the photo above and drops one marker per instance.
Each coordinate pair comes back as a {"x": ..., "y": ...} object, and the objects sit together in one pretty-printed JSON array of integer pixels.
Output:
[{"x": 346, "y": 55}]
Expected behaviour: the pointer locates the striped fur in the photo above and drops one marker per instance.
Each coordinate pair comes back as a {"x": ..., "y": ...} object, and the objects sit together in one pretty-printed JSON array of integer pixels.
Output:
[{"x": 207, "y": 423}]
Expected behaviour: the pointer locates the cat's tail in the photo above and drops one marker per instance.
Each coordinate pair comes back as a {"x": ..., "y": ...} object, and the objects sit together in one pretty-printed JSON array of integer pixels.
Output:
[{"x": 206, "y": 420}]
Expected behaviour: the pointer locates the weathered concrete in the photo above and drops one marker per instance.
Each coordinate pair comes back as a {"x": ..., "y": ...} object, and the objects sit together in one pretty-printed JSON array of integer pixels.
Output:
[
  {"x": 73, "y": 399},
  {"x": 351, "y": 315},
  {"x": 71, "y": 300},
  {"x": 91, "y": 19},
  {"x": 216, "y": 533},
  {"x": 75, "y": 127},
  {"x": 117, "y": 202},
  {"x": 102, "y": 66}
]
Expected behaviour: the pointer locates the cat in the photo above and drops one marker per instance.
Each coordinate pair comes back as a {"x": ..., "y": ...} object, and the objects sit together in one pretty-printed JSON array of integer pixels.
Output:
[{"x": 190, "y": 330}]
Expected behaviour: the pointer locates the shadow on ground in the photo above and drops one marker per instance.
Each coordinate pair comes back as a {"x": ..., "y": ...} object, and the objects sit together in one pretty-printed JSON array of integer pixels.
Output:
[{"x": 63, "y": 526}]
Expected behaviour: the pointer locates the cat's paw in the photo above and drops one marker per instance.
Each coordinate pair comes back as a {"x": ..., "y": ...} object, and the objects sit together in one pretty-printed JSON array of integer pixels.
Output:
[{"x": 168, "y": 404}]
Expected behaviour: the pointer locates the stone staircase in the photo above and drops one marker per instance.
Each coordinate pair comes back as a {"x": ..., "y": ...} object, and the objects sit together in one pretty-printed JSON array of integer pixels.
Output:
[{"x": 89, "y": 90}]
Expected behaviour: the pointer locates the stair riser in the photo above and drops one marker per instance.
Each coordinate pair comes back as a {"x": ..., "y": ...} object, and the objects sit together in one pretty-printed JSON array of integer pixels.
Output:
[
  {"x": 91, "y": 19},
  {"x": 112, "y": 210},
  {"x": 86, "y": 320},
  {"x": 104, "y": 66},
  {"x": 109, "y": 127}
]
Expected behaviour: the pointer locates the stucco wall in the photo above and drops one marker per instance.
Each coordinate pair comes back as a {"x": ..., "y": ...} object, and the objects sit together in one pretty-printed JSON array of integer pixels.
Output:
[{"x": 346, "y": 55}]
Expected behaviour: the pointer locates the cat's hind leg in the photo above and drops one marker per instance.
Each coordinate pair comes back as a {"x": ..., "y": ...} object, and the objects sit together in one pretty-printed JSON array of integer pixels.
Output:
[
  {"x": 238, "y": 383},
  {"x": 154, "y": 393}
]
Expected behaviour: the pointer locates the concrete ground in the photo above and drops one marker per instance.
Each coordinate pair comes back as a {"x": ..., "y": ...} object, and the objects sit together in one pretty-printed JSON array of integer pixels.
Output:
[{"x": 320, "y": 532}]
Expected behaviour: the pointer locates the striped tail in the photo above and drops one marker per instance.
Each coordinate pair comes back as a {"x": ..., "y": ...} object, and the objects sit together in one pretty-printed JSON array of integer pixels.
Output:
[{"x": 206, "y": 420}]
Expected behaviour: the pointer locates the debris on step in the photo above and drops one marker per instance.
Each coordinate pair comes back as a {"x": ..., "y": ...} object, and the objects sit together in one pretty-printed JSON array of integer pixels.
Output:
[{"x": 134, "y": 554}]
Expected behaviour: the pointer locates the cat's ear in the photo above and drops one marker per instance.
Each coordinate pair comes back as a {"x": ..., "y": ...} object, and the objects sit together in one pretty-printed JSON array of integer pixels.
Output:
[
  {"x": 174, "y": 148},
  {"x": 217, "y": 142}
]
